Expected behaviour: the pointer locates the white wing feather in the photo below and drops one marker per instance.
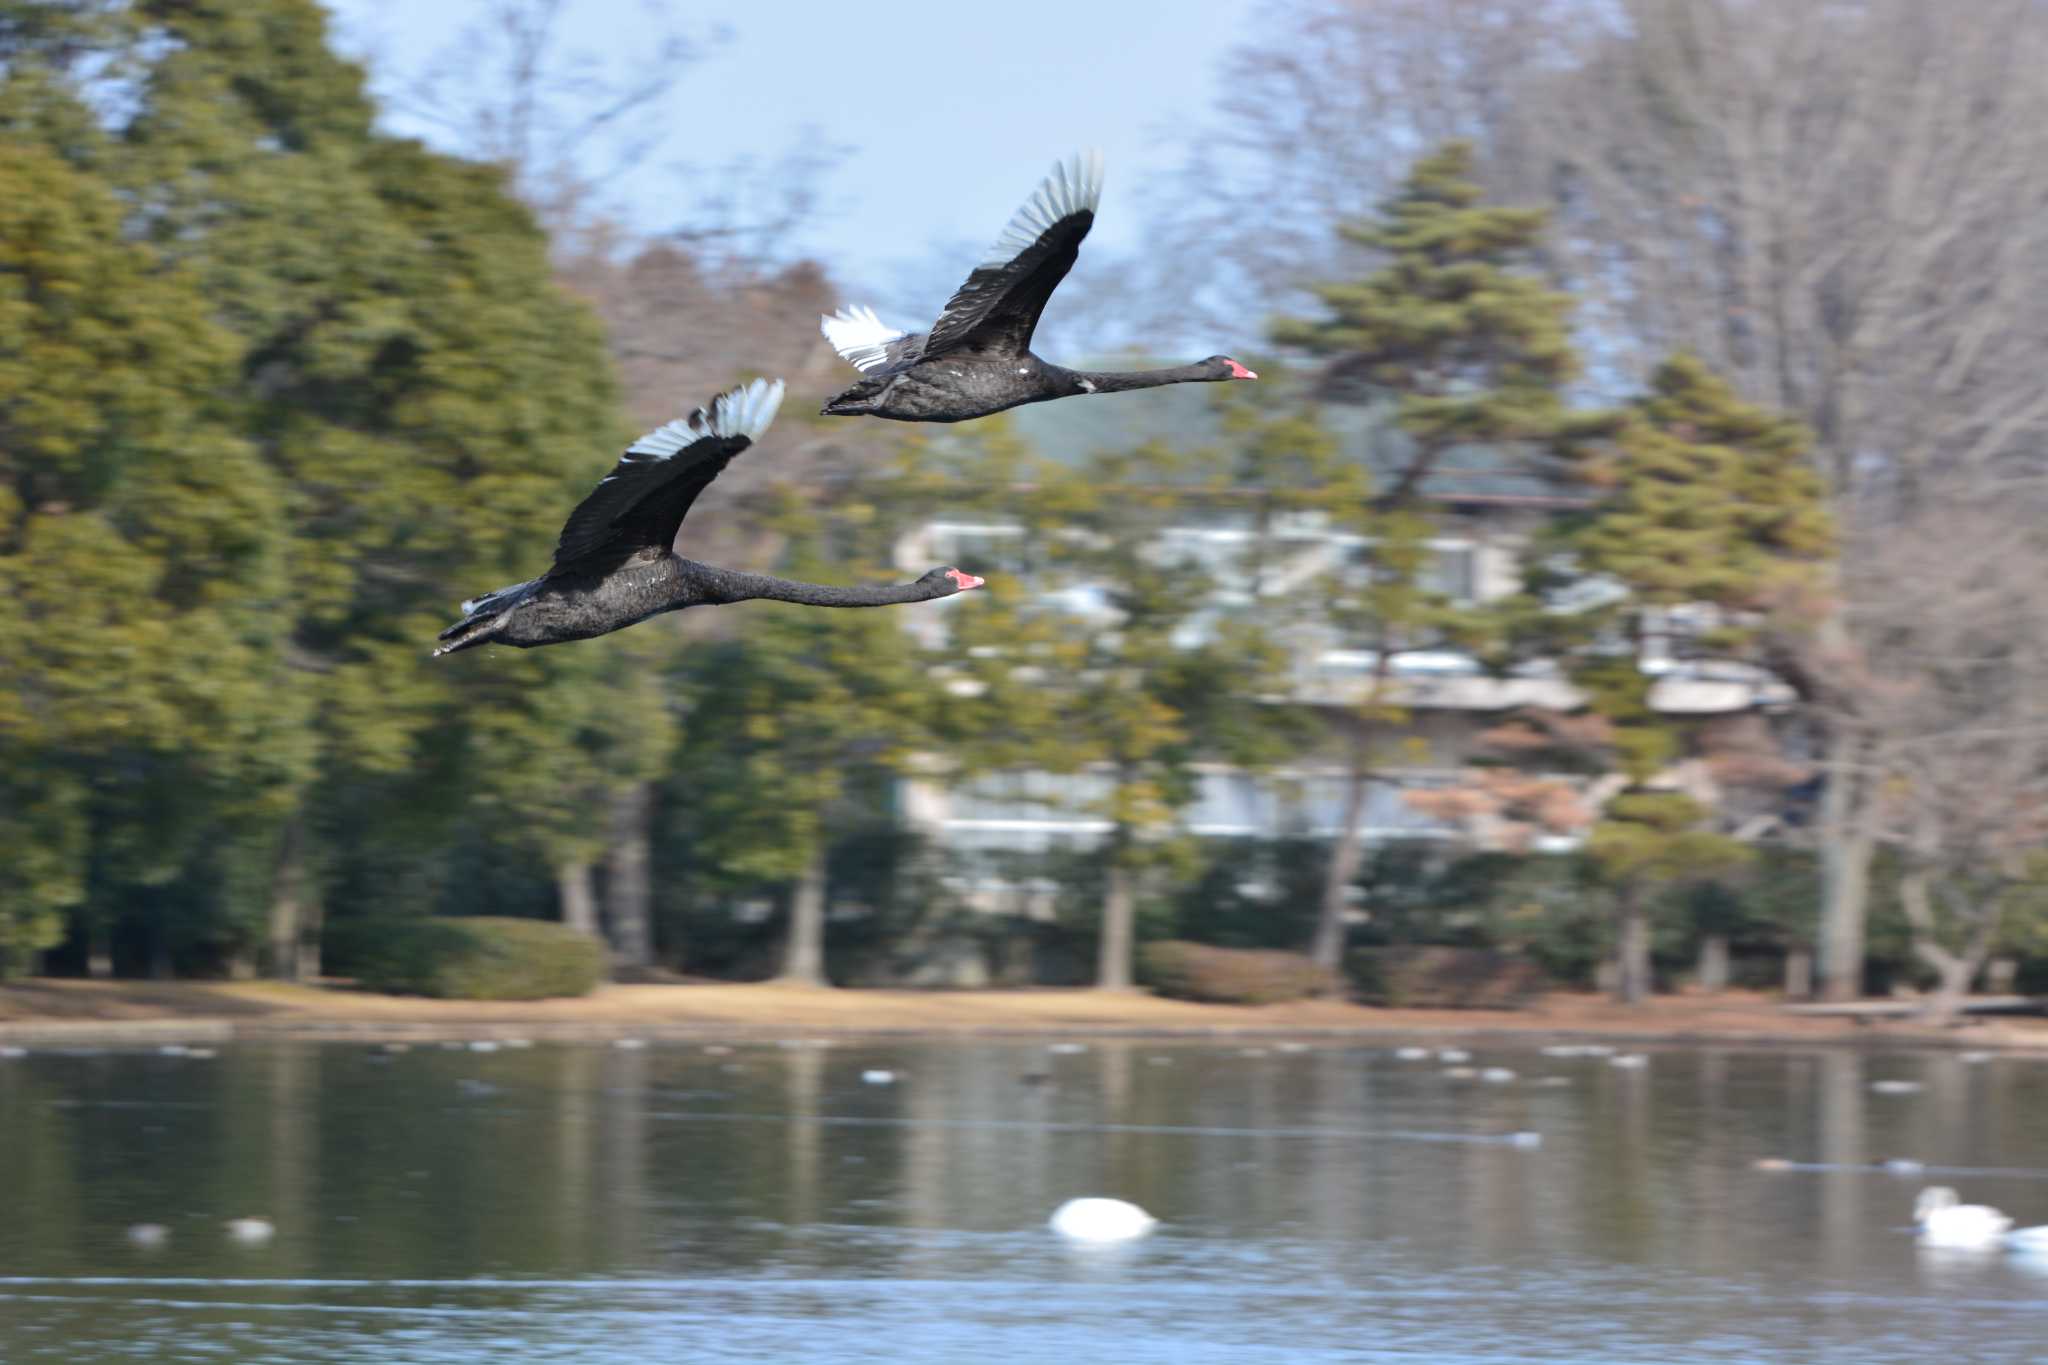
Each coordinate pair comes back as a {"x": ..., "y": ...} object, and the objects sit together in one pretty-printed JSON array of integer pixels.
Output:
[
  {"x": 745, "y": 411},
  {"x": 1073, "y": 185},
  {"x": 861, "y": 338}
]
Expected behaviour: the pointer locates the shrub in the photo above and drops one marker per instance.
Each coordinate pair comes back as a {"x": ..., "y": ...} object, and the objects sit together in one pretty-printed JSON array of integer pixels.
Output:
[
  {"x": 1230, "y": 976},
  {"x": 1446, "y": 978},
  {"x": 474, "y": 958}
]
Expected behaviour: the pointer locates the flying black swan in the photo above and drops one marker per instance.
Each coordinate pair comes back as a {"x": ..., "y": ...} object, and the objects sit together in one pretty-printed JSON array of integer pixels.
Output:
[
  {"x": 614, "y": 566},
  {"x": 977, "y": 357}
]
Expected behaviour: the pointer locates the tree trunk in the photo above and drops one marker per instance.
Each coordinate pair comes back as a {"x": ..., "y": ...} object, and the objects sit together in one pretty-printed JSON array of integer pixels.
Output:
[
  {"x": 1119, "y": 919},
  {"x": 160, "y": 968},
  {"x": 1798, "y": 972},
  {"x": 1632, "y": 954},
  {"x": 576, "y": 895},
  {"x": 1345, "y": 856},
  {"x": 629, "y": 893},
  {"x": 803, "y": 960},
  {"x": 312, "y": 922},
  {"x": 1953, "y": 971},
  {"x": 287, "y": 904},
  {"x": 1713, "y": 970},
  {"x": 1846, "y": 849},
  {"x": 99, "y": 949},
  {"x": 1348, "y": 851}
]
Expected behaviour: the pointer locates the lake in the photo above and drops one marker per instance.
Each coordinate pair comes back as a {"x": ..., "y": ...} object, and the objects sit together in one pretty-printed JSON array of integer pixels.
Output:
[{"x": 583, "y": 1202}]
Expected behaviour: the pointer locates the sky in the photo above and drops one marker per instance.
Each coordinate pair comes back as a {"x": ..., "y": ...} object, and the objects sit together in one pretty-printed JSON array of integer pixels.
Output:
[{"x": 951, "y": 112}]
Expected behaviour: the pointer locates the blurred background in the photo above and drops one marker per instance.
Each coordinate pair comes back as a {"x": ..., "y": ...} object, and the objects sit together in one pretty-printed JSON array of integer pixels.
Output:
[{"x": 1627, "y": 562}]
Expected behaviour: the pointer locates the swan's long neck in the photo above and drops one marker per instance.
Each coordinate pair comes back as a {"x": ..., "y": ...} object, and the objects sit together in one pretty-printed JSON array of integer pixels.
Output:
[
  {"x": 1120, "y": 381},
  {"x": 731, "y": 585}
]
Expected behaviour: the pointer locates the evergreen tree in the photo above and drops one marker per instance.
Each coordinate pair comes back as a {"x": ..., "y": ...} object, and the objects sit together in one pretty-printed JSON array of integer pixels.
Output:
[
  {"x": 141, "y": 550},
  {"x": 431, "y": 400},
  {"x": 1705, "y": 503},
  {"x": 420, "y": 402},
  {"x": 788, "y": 712},
  {"x": 1116, "y": 658},
  {"x": 1475, "y": 350}
]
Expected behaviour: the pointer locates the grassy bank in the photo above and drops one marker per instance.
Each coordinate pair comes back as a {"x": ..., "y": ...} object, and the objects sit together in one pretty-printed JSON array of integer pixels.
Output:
[{"x": 53, "y": 1010}]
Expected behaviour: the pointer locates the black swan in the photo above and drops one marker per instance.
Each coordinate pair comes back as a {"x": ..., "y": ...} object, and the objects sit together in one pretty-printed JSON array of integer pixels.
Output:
[
  {"x": 977, "y": 357},
  {"x": 614, "y": 566}
]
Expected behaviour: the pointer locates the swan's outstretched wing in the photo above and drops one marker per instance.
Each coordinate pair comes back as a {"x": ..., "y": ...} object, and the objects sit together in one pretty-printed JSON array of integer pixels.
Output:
[
  {"x": 869, "y": 344},
  {"x": 641, "y": 503},
  {"x": 997, "y": 309}
]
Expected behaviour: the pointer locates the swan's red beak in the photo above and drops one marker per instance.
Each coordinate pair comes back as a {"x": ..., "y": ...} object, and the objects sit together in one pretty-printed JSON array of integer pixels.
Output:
[
  {"x": 964, "y": 581},
  {"x": 1238, "y": 371}
]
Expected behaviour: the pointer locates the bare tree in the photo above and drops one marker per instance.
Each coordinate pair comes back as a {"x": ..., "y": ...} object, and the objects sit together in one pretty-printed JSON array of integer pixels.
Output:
[
  {"x": 1843, "y": 205},
  {"x": 1958, "y": 725},
  {"x": 1319, "y": 119},
  {"x": 564, "y": 121}
]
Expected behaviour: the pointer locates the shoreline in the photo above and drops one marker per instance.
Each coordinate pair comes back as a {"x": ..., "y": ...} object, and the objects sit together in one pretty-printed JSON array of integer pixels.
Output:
[{"x": 51, "y": 1012}]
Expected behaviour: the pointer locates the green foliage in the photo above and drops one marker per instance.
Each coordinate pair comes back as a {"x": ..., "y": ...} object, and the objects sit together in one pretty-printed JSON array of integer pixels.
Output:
[
  {"x": 471, "y": 958},
  {"x": 139, "y": 556},
  {"x": 787, "y": 712},
  {"x": 1149, "y": 678},
  {"x": 276, "y": 391},
  {"x": 1251, "y": 893},
  {"x": 1443, "y": 978},
  {"x": 1707, "y": 498},
  {"x": 1457, "y": 323},
  {"x": 1230, "y": 976}
]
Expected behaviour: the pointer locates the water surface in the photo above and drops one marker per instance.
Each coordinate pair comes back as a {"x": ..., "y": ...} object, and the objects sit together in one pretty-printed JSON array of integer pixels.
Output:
[{"x": 587, "y": 1203}]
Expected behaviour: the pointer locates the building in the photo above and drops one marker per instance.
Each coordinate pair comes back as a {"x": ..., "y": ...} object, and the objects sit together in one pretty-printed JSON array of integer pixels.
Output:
[{"x": 1488, "y": 505}]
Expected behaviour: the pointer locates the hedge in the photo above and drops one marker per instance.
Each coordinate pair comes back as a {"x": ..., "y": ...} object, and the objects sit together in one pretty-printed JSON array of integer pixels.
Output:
[
  {"x": 473, "y": 958},
  {"x": 1444, "y": 978},
  {"x": 1230, "y": 976}
]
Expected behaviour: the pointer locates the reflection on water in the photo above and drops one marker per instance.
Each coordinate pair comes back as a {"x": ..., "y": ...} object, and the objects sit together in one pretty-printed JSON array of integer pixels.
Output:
[{"x": 596, "y": 1204}]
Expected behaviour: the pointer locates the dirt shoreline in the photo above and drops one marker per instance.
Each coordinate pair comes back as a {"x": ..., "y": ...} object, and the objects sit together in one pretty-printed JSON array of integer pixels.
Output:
[{"x": 56, "y": 1012}]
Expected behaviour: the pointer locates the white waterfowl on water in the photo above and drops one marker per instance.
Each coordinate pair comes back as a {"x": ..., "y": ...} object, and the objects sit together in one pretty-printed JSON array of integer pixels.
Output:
[
  {"x": 1939, "y": 1220},
  {"x": 251, "y": 1231},
  {"x": 1101, "y": 1220},
  {"x": 2032, "y": 1241}
]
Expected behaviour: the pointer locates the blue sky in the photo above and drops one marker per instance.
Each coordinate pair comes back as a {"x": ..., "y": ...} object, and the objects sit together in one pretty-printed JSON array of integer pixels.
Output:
[{"x": 952, "y": 112}]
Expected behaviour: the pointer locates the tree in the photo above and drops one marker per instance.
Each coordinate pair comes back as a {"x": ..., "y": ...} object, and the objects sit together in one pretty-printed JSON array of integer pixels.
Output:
[
  {"x": 1706, "y": 512},
  {"x": 1116, "y": 661},
  {"x": 1475, "y": 351},
  {"x": 421, "y": 402},
  {"x": 1355, "y": 93},
  {"x": 1835, "y": 207},
  {"x": 1709, "y": 505},
  {"x": 1955, "y": 651},
  {"x": 140, "y": 548},
  {"x": 787, "y": 712}
]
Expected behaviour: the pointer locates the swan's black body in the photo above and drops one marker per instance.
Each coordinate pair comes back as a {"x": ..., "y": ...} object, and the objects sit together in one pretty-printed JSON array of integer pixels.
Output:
[
  {"x": 614, "y": 566},
  {"x": 977, "y": 357}
]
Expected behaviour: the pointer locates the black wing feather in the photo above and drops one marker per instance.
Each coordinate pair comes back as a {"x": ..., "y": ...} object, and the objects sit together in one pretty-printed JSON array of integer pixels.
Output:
[
  {"x": 641, "y": 504},
  {"x": 999, "y": 306}
]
